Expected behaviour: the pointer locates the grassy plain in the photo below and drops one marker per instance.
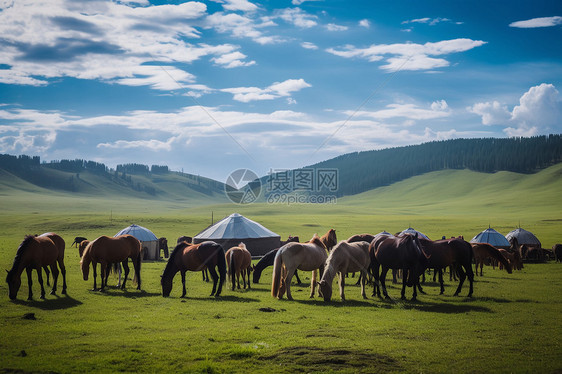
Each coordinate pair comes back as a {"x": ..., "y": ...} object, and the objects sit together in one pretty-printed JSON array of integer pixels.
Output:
[{"x": 512, "y": 324}]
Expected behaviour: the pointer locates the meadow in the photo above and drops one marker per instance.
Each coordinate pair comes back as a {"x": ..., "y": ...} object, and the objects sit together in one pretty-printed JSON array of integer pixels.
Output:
[{"x": 512, "y": 324}]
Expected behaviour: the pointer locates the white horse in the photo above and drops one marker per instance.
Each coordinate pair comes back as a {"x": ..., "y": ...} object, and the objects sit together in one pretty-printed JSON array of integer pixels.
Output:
[
  {"x": 345, "y": 257},
  {"x": 308, "y": 256}
]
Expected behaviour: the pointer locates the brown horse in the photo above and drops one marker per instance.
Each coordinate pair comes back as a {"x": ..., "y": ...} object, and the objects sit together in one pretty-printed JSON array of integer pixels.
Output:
[
  {"x": 329, "y": 239},
  {"x": 195, "y": 257},
  {"x": 106, "y": 250},
  {"x": 309, "y": 256},
  {"x": 239, "y": 261},
  {"x": 35, "y": 253},
  {"x": 513, "y": 258},
  {"x": 482, "y": 251},
  {"x": 454, "y": 252},
  {"x": 557, "y": 249},
  {"x": 82, "y": 246},
  {"x": 404, "y": 252},
  {"x": 361, "y": 238}
]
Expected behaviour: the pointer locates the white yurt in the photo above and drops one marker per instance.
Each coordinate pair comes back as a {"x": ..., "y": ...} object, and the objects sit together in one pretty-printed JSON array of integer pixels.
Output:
[
  {"x": 411, "y": 231},
  {"x": 492, "y": 237},
  {"x": 524, "y": 237},
  {"x": 234, "y": 229},
  {"x": 147, "y": 238}
]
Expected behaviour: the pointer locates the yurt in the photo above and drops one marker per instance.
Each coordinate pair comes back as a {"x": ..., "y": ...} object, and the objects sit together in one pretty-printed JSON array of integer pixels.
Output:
[
  {"x": 523, "y": 237},
  {"x": 147, "y": 238},
  {"x": 492, "y": 237},
  {"x": 236, "y": 228},
  {"x": 411, "y": 231}
]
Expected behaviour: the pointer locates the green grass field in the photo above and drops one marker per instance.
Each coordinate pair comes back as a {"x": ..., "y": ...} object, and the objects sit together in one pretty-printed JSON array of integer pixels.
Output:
[{"x": 512, "y": 324}]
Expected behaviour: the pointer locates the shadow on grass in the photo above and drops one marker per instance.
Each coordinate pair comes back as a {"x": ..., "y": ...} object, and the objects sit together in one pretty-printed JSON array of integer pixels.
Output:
[
  {"x": 222, "y": 297},
  {"x": 117, "y": 292},
  {"x": 57, "y": 303}
]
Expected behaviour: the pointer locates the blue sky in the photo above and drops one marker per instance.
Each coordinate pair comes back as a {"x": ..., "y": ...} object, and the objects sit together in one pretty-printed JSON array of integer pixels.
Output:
[{"x": 210, "y": 87}]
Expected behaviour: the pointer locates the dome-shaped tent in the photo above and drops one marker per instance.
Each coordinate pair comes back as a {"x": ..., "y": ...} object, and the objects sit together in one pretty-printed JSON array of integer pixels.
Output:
[
  {"x": 523, "y": 237},
  {"x": 147, "y": 238},
  {"x": 411, "y": 231},
  {"x": 236, "y": 228},
  {"x": 492, "y": 237}
]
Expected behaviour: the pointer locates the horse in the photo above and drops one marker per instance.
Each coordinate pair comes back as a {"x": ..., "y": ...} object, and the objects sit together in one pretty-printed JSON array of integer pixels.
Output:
[
  {"x": 267, "y": 260},
  {"x": 308, "y": 256},
  {"x": 82, "y": 246},
  {"x": 361, "y": 238},
  {"x": 557, "y": 249},
  {"x": 78, "y": 240},
  {"x": 189, "y": 240},
  {"x": 345, "y": 257},
  {"x": 446, "y": 252},
  {"x": 195, "y": 257},
  {"x": 329, "y": 239},
  {"x": 106, "y": 250},
  {"x": 239, "y": 261},
  {"x": 35, "y": 252},
  {"x": 163, "y": 245},
  {"x": 403, "y": 252},
  {"x": 482, "y": 251}
]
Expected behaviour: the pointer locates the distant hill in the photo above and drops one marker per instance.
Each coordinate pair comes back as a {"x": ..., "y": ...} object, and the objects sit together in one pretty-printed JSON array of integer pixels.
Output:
[
  {"x": 95, "y": 179},
  {"x": 363, "y": 171}
]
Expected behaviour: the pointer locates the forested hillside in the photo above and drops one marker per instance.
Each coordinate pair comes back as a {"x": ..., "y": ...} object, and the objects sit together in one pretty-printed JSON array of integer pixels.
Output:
[{"x": 363, "y": 171}]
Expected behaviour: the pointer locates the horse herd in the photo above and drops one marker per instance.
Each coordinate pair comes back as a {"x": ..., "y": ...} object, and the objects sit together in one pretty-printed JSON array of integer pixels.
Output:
[{"x": 372, "y": 256}]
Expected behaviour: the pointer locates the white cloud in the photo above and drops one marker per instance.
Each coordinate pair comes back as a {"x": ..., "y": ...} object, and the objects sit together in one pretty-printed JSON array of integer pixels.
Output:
[
  {"x": 297, "y": 17},
  {"x": 409, "y": 56},
  {"x": 365, "y": 23},
  {"x": 152, "y": 145},
  {"x": 429, "y": 21},
  {"x": 308, "y": 45},
  {"x": 232, "y": 60},
  {"x": 274, "y": 91},
  {"x": 334, "y": 27},
  {"x": 238, "y": 5},
  {"x": 539, "y": 111},
  {"x": 438, "y": 109},
  {"x": 241, "y": 26},
  {"x": 537, "y": 22}
]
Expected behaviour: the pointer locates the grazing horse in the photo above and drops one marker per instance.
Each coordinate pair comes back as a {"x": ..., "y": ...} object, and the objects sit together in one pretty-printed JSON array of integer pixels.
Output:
[
  {"x": 106, "y": 250},
  {"x": 482, "y": 251},
  {"x": 401, "y": 253},
  {"x": 35, "y": 253},
  {"x": 195, "y": 257},
  {"x": 454, "y": 252},
  {"x": 329, "y": 239},
  {"x": 557, "y": 249},
  {"x": 267, "y": 260},
  {"x": 513, "y": 259},
  {"x": 189, "y": 240},
  {"x": 78, "y": 240},
  {"x": 239, "y": 261},
  {"x": 163, "y": 245},
  {"x": 345, "y": 257},
  {"x": 308, "y": 256}
]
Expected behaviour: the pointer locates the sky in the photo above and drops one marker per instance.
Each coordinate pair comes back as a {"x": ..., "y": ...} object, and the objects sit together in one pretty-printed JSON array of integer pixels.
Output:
[{"x": 215, "y": 86}]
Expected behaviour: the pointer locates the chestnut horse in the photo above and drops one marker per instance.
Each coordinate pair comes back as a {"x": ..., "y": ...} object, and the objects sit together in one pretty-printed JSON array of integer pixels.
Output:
[
  {"x": 106, "y": 250},
  {"x": 345, "y": 257},
  {"x": 239, "y": 261},
  {"x": 329, "y": 239},
  {"x": 401, "y": 253},
  {"x": 195, "y": 257},
  {"x": 455, "y": 252},
  {"x": 269, "y": 257},
  {"x": 482, "y": 251},
  {"x": 35, "y": 252},
  {"x": 309, "y": 256},
  {"x": 513, "y": 258},
  {"x": 60, "y": 243}
]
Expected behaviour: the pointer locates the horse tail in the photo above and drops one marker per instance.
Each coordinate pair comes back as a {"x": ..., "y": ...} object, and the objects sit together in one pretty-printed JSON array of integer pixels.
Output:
[
  {"x": 221, "y": 264},
  {"x": 137, "y": 265},
  {"x": 232, "y": 269},
  {"x": 277, "y": 265}
]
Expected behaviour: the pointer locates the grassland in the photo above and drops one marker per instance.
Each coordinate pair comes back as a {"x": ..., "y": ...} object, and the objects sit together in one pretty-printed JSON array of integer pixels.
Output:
[{"x": 512, "y": 324}]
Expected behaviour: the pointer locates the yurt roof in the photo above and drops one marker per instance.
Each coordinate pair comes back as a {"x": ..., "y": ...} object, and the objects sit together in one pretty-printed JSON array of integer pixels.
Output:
[
  {"x": 235, "y": 226},
  {"x": 523, "y": 237},
  {"x": 411, "y": 231},
  {"x": 492, "y": 237},
  {"x": 141, "y": 233}
]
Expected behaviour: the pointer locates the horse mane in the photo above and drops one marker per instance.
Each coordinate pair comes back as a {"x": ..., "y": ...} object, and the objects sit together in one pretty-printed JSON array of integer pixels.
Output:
[
  {"x": 21, "y": 250},
  {"x": 316, "y": 240},
  {"x": 242, "y": 245},
  {"x": 178, "y": 249}
]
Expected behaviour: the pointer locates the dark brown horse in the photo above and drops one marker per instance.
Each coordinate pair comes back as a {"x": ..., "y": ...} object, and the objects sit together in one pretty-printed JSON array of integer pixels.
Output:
[
  {"x": 360, "y": 238},
  {"x": 163, "y": 245},
  {"x": 195, "y": 257},
  {"x": 78, "y": 240},
  {"x": 402, "y": 253},
  {"x": 36, "y": 253},
  {"x": 106, "y": 250},
  {"x": 329, "y": 239},
  {"x": 454, "y": 252},
  {"x": 482, "y": 251},
  {"x": 557, "y": 249},
  {"x": 239, "y": 262}
]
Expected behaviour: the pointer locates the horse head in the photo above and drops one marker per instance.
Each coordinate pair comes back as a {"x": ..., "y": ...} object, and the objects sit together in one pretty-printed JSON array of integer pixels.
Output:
[
  {"x": 419, "y": 261},
  {"x": 14, "y": 284},
  {"x": 166, "y": 283},
  {"x": 324, "y": 290}
]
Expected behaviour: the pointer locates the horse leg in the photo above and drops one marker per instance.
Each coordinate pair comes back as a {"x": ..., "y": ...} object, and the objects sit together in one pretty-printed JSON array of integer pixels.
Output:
[
  {"x": 215, "y": 278},
  {"x": 28, "y": 270},
  {"x": 415, "y": 293},
  {"x": 462, "y": 277},
  {"x": 404, "y": 279},
  {"x": 288, "y": 278},
  {"x": 63, "y": 272},
  {"x": 470, "y": 276},
  {"x": 342, "y": 286},
  {"x": 297, "y": 276},
  {"x": 104, "y": 272},
  {"x": 363, "y": 277},
  {"x": 95, "y": 274},
  {"x": 55, "y": 272},
  {"x": 441, "y": 282},
  {"x": 383, "y": 282},
  {"x": 183, "y": 283},
  {"x": 47, "y": 273},
  {"x": 126, "y": 268},
  {"x": 40, "y": 278},
  {"x": 248, "y": 272},
  {"x": 106, "y": 276},
  {"x": 238, "y": 278}
]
